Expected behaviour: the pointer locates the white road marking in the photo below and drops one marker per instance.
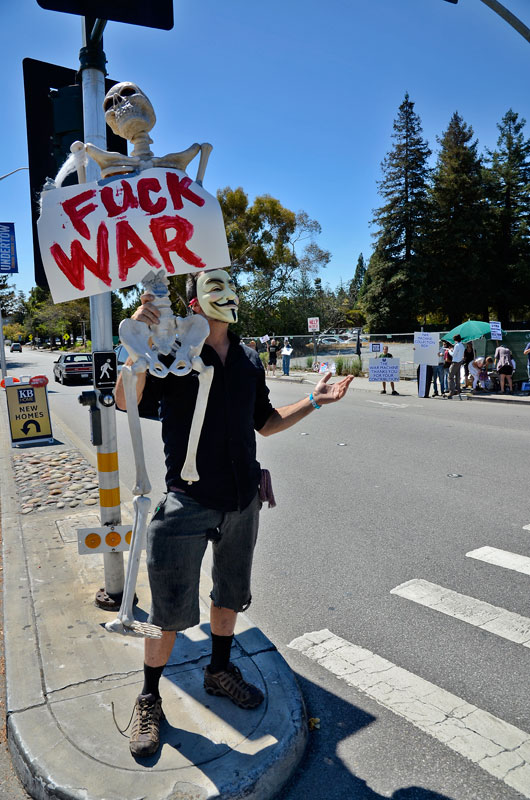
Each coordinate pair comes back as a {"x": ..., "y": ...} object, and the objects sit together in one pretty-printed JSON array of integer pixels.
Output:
[
  {"x": 526, "y": 527},
  {"x": 502, "y": 558},
  {"x": 390, "y": 405},
  {"x": 482, "y": 615},
  {"x": 499, "y": 748}
]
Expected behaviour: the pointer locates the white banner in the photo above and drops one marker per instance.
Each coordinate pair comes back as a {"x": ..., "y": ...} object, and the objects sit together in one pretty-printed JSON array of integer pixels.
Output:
[
  {"x": 426, "y": 348},
  {"x": 383, "y": 369},
  {"x": 496, "y": 330},
  {"x": 109, "y": 234}
]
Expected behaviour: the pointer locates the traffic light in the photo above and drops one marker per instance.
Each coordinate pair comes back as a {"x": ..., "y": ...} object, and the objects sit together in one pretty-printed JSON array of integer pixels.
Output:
[{"x": 54, "y": 119}]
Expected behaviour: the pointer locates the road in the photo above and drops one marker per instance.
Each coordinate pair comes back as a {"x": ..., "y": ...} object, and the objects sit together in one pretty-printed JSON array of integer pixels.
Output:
[{"x": 372, "y": 495}]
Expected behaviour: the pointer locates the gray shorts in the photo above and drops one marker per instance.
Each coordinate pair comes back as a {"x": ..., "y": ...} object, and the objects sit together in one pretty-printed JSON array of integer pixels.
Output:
[{"x": 176, "y": 541}]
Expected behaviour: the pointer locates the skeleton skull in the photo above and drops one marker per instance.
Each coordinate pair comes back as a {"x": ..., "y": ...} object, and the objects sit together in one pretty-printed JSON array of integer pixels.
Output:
[{"x": 128, "y": 111}]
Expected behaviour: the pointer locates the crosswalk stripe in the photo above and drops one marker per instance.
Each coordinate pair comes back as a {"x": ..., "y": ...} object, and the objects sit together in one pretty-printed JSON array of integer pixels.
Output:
[
  {"x": 499, "y": 748},
  {"x": 502, "y": 558},
  {"x": 486, "y": 616}
]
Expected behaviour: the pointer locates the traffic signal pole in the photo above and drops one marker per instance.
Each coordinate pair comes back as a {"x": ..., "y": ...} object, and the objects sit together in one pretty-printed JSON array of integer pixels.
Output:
[{"x": 92, "y": 66}]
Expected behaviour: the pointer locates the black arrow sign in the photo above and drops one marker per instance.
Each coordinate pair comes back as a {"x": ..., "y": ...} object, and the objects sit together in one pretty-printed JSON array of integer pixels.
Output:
[{"x": 28, "y": 422}]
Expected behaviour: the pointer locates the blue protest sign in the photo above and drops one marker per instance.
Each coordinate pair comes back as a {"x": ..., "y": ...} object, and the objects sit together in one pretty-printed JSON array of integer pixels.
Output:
[{"x": 8, "y": 250}]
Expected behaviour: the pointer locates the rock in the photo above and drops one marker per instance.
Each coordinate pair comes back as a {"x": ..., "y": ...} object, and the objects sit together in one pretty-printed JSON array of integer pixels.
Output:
[
  {"x": 60, "y": 504},
  {"x": 73, "y": 504},
  {"x": 90, "y": 502}
]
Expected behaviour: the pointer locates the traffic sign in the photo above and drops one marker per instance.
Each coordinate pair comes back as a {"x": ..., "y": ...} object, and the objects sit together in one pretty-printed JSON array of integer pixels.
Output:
[
  {"x": 29, "y": 415},
  {"x": 8, "y": 248},
  {"x": 105, "y": 369},
  {"x": 157, "y": 14},
  {"x": 313, "y": 324}
]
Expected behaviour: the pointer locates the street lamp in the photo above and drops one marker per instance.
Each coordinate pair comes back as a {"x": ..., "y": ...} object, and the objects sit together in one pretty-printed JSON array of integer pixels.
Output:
[
  {"x": 506, "y": 15},
  {"x": 12, "y": 172}
]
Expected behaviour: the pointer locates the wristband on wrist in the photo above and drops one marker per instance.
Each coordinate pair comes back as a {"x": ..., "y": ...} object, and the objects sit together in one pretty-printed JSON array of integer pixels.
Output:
[{"x": 313, "y": 401}]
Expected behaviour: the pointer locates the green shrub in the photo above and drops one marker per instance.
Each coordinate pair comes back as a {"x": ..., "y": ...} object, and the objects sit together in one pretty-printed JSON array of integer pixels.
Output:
[
  {"x": 341, "y": 364},
  {"x": 349, "y": 366},
  {"x": 264, "y": 359},
  {"x": 309, "y": 362}
]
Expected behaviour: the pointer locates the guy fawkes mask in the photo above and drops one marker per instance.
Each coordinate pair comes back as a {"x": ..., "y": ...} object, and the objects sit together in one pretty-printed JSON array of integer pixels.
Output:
[{"x": 216, "y": 295}]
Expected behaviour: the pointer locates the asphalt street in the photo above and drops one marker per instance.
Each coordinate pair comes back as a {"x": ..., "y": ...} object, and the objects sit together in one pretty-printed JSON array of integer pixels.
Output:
[{"x": 373, "y": 493}]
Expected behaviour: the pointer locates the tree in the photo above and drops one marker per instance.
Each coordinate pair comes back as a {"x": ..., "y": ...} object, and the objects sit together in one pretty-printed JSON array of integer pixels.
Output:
[
  {"x": 270, "y": 248},
  {"x": 457, "y": 232},
  {"x": 391, "y": 296},
  {"x": 8, "y": 297},
  {"x": 357, "y": 281},
  {"x": 508, "y": 190}
]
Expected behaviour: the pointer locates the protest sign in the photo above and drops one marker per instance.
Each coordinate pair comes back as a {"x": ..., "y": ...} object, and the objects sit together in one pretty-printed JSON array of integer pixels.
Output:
[
  {"x": 265, "y": 338},
  {"x": 108, "y": 234},
  {"x": 375, "y": 347},
  {"x": 496, "y": 330},
  {"x": 383, "y": 369},
  {"x": 426, "y": 347}
]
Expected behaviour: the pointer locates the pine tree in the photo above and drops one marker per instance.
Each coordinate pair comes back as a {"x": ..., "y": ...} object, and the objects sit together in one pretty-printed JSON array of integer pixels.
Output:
[
  {"x": 394, "y": 279},
  {"x": 8, "y": 298},
  {"x": 457, "y": 236},
  {"x": 357, "y": 281},
  {"x": 508, "y": 185}
]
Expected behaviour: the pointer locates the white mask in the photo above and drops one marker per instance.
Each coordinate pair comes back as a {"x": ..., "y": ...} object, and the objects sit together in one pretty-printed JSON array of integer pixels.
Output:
[{"x": 216, "y": 295}]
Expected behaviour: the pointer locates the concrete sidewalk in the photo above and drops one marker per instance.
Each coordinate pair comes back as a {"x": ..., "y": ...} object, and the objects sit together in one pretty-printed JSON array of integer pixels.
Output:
[
  {"x": 65, "y": 673},
  {"x": 406, "y": 388}
]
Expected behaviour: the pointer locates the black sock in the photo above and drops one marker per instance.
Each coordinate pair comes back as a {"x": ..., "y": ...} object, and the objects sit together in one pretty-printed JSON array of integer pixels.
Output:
[
  {"x": 151, "y": 680},
  {"x": 220, "y": 652}
]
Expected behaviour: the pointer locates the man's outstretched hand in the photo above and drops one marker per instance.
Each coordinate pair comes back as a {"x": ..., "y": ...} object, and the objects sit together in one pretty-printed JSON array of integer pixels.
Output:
[{"x": 325, "y": 393}]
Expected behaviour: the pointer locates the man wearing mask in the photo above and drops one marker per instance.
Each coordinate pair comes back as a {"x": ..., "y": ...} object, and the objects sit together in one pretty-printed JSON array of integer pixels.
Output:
[{"x": 223, "y": 506}]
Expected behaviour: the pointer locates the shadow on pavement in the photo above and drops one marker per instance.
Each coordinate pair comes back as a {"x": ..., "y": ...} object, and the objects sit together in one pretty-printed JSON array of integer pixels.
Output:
[{"x": 322, "y": 773}]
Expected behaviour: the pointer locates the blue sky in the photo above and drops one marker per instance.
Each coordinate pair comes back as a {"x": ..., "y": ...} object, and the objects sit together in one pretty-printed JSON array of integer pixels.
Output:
[{"x": 297, "y": 97}]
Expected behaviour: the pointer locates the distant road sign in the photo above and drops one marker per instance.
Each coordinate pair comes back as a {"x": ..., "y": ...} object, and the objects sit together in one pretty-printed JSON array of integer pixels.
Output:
[
  {"x": 157, "y": 14},
  {"x": 313, "y": 324}
]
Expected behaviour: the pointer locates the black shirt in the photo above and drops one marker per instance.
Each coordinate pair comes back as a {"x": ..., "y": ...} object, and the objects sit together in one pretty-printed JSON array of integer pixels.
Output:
[{"x": 238, "y": 404}]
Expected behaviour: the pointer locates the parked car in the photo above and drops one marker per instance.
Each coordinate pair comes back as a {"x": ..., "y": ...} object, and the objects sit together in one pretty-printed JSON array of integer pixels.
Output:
[
  {"x": 72, "y": 366},
  {"x": 328, "y": 340},
  {"x": 16, "y": 347}
]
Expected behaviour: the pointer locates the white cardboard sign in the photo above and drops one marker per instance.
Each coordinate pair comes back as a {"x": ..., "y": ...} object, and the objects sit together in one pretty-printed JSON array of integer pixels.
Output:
[
  {"x": 105, "y": 235},
  {"x": 383, "y": 369},
  {"x": 426, "y": 348},
  {"x": 496, "y": 330}
]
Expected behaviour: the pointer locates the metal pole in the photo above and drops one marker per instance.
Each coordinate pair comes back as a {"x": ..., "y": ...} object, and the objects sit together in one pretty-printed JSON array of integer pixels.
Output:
[
  {"x": 93, "y": 87},
  {"x": 2, "y": 347},
  {"x": 508, "y": 17}
]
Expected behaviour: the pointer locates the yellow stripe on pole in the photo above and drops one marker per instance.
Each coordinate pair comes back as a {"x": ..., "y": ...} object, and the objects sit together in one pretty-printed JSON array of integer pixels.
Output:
[
  {"x": 109, "y": 497},
  {"x": 107, "y": 462}
]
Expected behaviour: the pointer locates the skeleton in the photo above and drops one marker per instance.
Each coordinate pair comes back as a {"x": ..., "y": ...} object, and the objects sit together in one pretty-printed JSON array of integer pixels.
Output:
[
  {"x": 181, "y": 340},
  {"x": 129, "y": 113}
]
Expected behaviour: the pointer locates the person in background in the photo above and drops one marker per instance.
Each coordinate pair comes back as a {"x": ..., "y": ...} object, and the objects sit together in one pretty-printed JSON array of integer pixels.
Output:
[
  {"x": 478, "y": 369},
  {"x": 386, "y": 354},
  {"x": 252, "y": 344},
  {"x": 273, "y": 348},
  {"x": 448, "y": 358},
  {"x": 286, "y": 356},
  {"x": 469, "y": 355},
  {"x": 438, "y": 373},
  {"x": 454, "y": 369},
  {"x": 504, "y": 367},
  {"x": 526, "y": 352}
]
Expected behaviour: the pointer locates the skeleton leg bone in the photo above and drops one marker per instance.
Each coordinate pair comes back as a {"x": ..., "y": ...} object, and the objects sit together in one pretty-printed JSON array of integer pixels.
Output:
[
  {"x": 125, "y": 622},
  {"x": 189, "y": 470}
]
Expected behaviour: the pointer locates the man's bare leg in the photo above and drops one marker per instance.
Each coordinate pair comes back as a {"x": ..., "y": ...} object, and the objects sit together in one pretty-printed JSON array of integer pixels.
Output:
[
  {"x": 157, "y": 651},
  {"x": 222, "y": 621}
]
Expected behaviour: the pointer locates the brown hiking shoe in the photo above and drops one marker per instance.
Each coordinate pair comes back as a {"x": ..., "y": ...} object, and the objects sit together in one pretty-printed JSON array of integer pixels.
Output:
[
  {"x": 145, "y": 731},
  {"x": 230, "y": 683}
]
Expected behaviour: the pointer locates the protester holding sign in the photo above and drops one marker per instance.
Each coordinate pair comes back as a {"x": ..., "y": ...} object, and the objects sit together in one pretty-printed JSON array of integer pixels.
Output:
[
  {"x": 386, "y": 354},
  {"x": 273, "y": 348},
  {"x": 286, "y": 356}
]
